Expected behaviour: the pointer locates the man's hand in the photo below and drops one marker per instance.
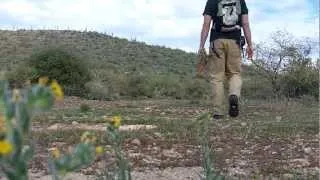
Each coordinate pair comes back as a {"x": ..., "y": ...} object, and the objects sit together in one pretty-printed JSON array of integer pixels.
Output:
[
  {"x": 247, "y": 34},
  {"x": 201, "y": 52},
  {"x": 249, "y": 52},
  {"x": 202, "y": 62}
]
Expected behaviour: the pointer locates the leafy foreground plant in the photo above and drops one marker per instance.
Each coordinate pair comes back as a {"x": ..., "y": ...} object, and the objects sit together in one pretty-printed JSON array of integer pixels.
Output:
[
  {"x": 80, "y": 156},
  {"x": 123, "y": 171},
  {"x": 209, "y": 172},
  {"x": 17, "y": 107}
]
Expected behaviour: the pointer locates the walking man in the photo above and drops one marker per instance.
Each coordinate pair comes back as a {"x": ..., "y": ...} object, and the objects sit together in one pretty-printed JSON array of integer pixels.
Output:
[{"x": 228, "y": 17}]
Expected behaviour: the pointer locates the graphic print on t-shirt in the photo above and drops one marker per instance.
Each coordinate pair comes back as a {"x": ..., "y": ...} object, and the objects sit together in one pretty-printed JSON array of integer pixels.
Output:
[{"x": 229, "y": 10}]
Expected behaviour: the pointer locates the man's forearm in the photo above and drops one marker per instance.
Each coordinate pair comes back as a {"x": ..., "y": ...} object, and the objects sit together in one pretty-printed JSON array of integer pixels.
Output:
[
  {"x": 247, "y": 33},
  {"x": 204, "y": 35}
]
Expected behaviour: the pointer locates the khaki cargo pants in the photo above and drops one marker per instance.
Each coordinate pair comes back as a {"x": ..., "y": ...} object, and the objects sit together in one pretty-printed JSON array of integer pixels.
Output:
[{"x": 224, "y": 62}]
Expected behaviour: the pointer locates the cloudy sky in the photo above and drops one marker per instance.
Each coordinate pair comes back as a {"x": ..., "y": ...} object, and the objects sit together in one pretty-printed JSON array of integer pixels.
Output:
[{"x": 173, "y": 23}]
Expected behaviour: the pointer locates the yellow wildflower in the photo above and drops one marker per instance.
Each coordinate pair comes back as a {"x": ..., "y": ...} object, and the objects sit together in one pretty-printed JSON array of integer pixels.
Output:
[
  {"x": 55, "y": 153},
  {"x": 5, "y": 147},
  {"x": 43, "y": 81},
  {"x": 57, "y": 90},
  {"x": 116, "y": 121},
  {"x": 99, "y": 150},
  {"x": 16, "y": 96}
]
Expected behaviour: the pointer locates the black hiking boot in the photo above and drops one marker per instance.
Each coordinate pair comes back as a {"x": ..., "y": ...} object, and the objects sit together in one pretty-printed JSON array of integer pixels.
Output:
[{"x": 233, "y": 106}]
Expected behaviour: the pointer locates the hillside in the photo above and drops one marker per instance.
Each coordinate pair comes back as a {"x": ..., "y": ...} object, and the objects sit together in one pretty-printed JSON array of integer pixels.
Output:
[{"x": 100, "y": 50}]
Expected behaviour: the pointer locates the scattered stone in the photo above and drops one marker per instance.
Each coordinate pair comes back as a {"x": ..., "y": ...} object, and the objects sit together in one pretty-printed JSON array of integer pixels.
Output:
[
  {"x": 300, "y": 163},
  {"x": 228, "y": 161},
  {"x": 171, "y": 153},
  {"x": 157, "y": 134},
  {"x": 256, "y": 113},
  {"x": 54, "y": 127},
  {"x": 278, "y": 118},
  {"x": 135, "y": 155},
  {"x": 136, "y": 127},
  {"x": 243, "y": 124},
  {"x": 75, "y": 123},
  {"x": 163, "y": 113},
  {"x": 307, "y": 150},
  {"x": 267, "y": 147},
  {"x": 136, "y": 142},
  {"x": 189, "y": 151}
]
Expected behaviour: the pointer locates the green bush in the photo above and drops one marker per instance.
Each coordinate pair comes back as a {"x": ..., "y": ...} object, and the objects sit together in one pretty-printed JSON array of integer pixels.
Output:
[
  {"x": 20, "y": 75},
  {"x": 138, "y": 86},
  {"x": 84, "y": 108},
  {"x": 62, "y": 65},
  {"x": 301, "y": 80},
  {"x": 168, "y": 85},
  {"x": 256, "y": 87},
  {"x": 97, "y": 90},
  {"x": 197, "y": 89},
  {"x": 165, "y": 85}
]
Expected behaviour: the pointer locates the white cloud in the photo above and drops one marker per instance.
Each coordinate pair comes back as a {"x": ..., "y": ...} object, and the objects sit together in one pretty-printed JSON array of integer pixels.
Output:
[{"x": 157, "y": 20}]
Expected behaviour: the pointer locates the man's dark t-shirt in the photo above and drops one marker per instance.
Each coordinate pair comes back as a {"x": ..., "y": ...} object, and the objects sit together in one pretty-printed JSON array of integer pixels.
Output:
[{"x": 211, "y": 9}]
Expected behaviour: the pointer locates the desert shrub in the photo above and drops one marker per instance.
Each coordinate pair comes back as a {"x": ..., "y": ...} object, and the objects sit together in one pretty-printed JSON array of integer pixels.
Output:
[
  {"x": 256, "y": 88},
  {"x": 84, "y": 108},
  {"x": 301, "y": 80},
  {"x": 108, "y": 84},
  {"x": 165, "y": 85},
  {"x": 138, "y": 86},
  {"x": 69, "y": 69},
  {"x": 197, "y": 89},
  {"x": 97, "y": 91},
  {"x": 19, "y": 75}
]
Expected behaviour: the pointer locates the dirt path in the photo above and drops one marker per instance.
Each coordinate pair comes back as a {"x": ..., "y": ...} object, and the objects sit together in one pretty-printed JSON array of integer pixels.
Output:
[
  {"x": 178, "y": 173},
  {"x": 160, "y": 138}
]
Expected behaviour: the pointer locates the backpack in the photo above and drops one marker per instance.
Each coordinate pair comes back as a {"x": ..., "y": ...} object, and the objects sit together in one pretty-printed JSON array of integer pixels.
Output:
[{"x": 229, "y": 15}]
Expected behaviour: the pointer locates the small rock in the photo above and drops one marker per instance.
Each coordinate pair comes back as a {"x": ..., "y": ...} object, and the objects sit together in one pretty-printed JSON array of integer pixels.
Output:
[
  {"x": 171, "y": 153},
  {"x": 75, "y": 123},
  {"x": 256, "y": 113},
  {"x": 163, "y": 113},
  {"x": 54, "y": 127},
  {"x": 267, "y": 147},
  {"x": 189, "y": 151},
  {"x": 136, "y": 142},
  {"x": 278, "y": 118},
  {"x": 307, "y": 150},
  {"x": 273, "y": 153},
  {"x": 300, "y": 162},
  {"x": 243, "y": 124},
  {"x": 157, "y": 134},
  {"x": 155, "y": 148}
]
